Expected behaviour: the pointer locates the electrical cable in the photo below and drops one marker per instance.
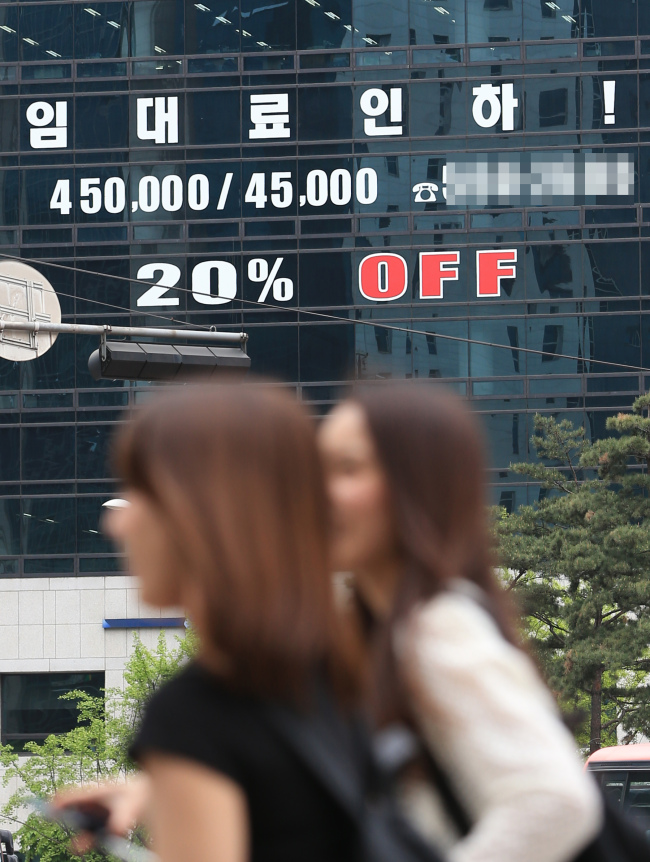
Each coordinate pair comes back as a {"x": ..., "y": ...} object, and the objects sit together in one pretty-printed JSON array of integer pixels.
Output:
[{"x": 320, "y": 314}]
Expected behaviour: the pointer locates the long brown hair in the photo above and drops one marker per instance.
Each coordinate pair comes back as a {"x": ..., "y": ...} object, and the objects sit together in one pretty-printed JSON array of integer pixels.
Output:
[
  {"x": 431, "y": 451},
  {"x": 235, "y": 476}
]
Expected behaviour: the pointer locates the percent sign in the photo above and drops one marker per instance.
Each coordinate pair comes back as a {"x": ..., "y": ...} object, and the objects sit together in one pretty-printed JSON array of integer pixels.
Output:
[{"x": 258, "y": 271}]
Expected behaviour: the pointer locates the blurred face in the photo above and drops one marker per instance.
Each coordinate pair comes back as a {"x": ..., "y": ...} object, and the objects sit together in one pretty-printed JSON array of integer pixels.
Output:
[
  {"x": 363, "y": 532},
  {"x": 139, "y": 530}
]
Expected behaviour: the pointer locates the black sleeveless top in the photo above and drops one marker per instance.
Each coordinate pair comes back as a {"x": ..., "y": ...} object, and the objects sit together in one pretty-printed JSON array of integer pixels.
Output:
[{"x": 292, "y": 817}]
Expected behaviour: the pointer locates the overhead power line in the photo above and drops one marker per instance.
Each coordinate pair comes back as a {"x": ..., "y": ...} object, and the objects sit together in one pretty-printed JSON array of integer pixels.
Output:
[{"x": 319, "y": 314}]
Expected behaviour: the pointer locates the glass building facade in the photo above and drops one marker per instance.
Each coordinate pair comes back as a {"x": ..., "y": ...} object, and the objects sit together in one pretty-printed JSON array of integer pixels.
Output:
[{"x": 451, "y": 189}]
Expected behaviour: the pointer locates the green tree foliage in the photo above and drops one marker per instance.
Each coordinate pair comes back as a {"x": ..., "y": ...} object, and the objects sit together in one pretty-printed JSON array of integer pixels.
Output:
[
  {"x": 579, "y": 563},
  {"x": 95, "y": 750}
]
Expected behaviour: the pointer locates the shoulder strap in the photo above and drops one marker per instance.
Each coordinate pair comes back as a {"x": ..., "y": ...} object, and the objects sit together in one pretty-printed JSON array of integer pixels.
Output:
[
  {"x": 341, "y": 758},
  {"x": 319, "y": 738},
  {"x": 398, "y": 745},
  {"x": 442, "y": 784}
]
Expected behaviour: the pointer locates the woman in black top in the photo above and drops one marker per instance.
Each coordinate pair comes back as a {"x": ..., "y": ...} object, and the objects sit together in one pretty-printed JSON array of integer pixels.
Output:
[{"x": 227, "y": 519}]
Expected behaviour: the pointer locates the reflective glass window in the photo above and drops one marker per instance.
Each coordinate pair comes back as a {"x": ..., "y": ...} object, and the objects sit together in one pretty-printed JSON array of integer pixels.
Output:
[
  {"x": 644, "y": 19},
  {"x": 326, "y": 278},
  {"x": 274, "y": 351},
  {"x": 557, "y": 335},
  {"x": 90, "y": 538},
  {"x": 157, "y": 28},
  {"x": 211, "y": 29},
  {"x": 495, "y": 21},
  {"x": 645, "y": 268},
  {"x": 381, "y": 111},
  {"x": 10, "y": 519},
  {"x": 101, "y": 30},
  {"x": 556, "y": 271},
  {"x": 644, "y": 174},
  {"x": 612, "y": 269},
  {"x": 508, "y": 435},
  {"x": 280, "y": 103},
  {"x": 218, "y": 183},
  {"x": 434, "y": 355},
  {"x": 9, "y": 374},
  {"x": 9, "y": 454},
  {"x": 626, "y": 102},
  {"x": 394, "y": 193},
  {"x": 644, "y": 100},
  {"x": 9, "y": 197},
  {"x": 87, "y": 344},
  {"x": 156, "y": 120},
  {"x": 48, "y": 452},
  {"x": 46, "y": 32},
  {"x": 102, "y": 122},
  {"x": 52, "y": 370},
  {"x": 557, "y": 20},
  {"x": 327, "y": 25},
  {"x": 379, "y": 24},
  {"x": 612, "y": 19},
  {"x": 325, "y": 113},
  {"x": 613, "y": 784},
  {"x": 32, "y": 708},
  {"x": 101, "y": 195},
  {"x": 268, "y": 26},
  {"x": 56, "y": 134},
  {"x": 382, "y": 352},
  {"x": 49, "y": 524},
  {"x": 9, "y": 34},
  {"x": 497, "y": 362},
  {"x": 38, "y": 187},
  {"x": 220, "y": 279},
  {"x": 326, "y": 352},
  {"x": 152, "y": 271},
  {"x": 491, "y": 132},
  {"x": 213, "y": 117},
  {"x": 9, "y": 138},
  {"x": 438, "y": 109},
  {"x": 552, "y": 104},
  {"x": 615, "y": 338},
  {"x": 637, "y": 798},
  {"x": 158, "y": 192},
  {"x": 93, "y": 290},
  {"x": 92, "y": 451},
  {"x": 436, "y": 23},
  {"x": 283, "y": 291}
]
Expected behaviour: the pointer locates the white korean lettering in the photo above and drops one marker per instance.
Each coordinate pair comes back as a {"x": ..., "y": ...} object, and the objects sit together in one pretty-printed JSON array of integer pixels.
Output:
[
  {"x": 51, "y": 122},
  {"x": 269, "y": 113},
  {"x": 499, "y": 108},
  {"x": 375, "y": 103},
  {"x": 165, "y": 119}
]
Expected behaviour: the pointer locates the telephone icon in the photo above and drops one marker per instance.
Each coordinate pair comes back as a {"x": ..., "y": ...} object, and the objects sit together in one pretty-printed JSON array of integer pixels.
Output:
[{"x": 425, "y": 192}]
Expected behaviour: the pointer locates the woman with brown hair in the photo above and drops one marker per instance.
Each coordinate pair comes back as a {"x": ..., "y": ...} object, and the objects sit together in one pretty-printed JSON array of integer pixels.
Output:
[
  {"x": 226, "y": 519},
  {"x": 405, "y": 476}
]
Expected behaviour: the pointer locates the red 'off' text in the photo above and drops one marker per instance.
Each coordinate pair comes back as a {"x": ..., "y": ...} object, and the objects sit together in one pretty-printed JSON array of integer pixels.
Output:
[{"x": 383, "y": 277}]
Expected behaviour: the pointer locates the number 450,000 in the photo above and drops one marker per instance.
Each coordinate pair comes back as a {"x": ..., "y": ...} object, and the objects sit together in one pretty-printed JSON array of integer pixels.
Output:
[{"x": 152, "y": 193}]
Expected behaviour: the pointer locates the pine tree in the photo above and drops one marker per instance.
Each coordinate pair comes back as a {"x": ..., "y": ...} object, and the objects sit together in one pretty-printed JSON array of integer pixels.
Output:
[{"x": 579, "y": 562}]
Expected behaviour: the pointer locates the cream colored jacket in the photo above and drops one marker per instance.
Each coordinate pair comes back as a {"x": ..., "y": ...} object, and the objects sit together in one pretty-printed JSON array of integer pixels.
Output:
[{"x": 493, "y": 727}]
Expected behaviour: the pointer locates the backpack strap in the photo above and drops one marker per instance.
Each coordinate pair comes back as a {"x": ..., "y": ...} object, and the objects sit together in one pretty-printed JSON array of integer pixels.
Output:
[
  {"x": 397, "y": 746},
  {"x": 442, "y": 784},
  {"x": 340, "y": 756},
  {"x": 324, "y": 743}
]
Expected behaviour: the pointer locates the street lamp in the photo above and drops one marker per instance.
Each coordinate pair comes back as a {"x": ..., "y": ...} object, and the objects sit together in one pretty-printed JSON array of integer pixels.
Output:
[{"x": 116, "y": 504}]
